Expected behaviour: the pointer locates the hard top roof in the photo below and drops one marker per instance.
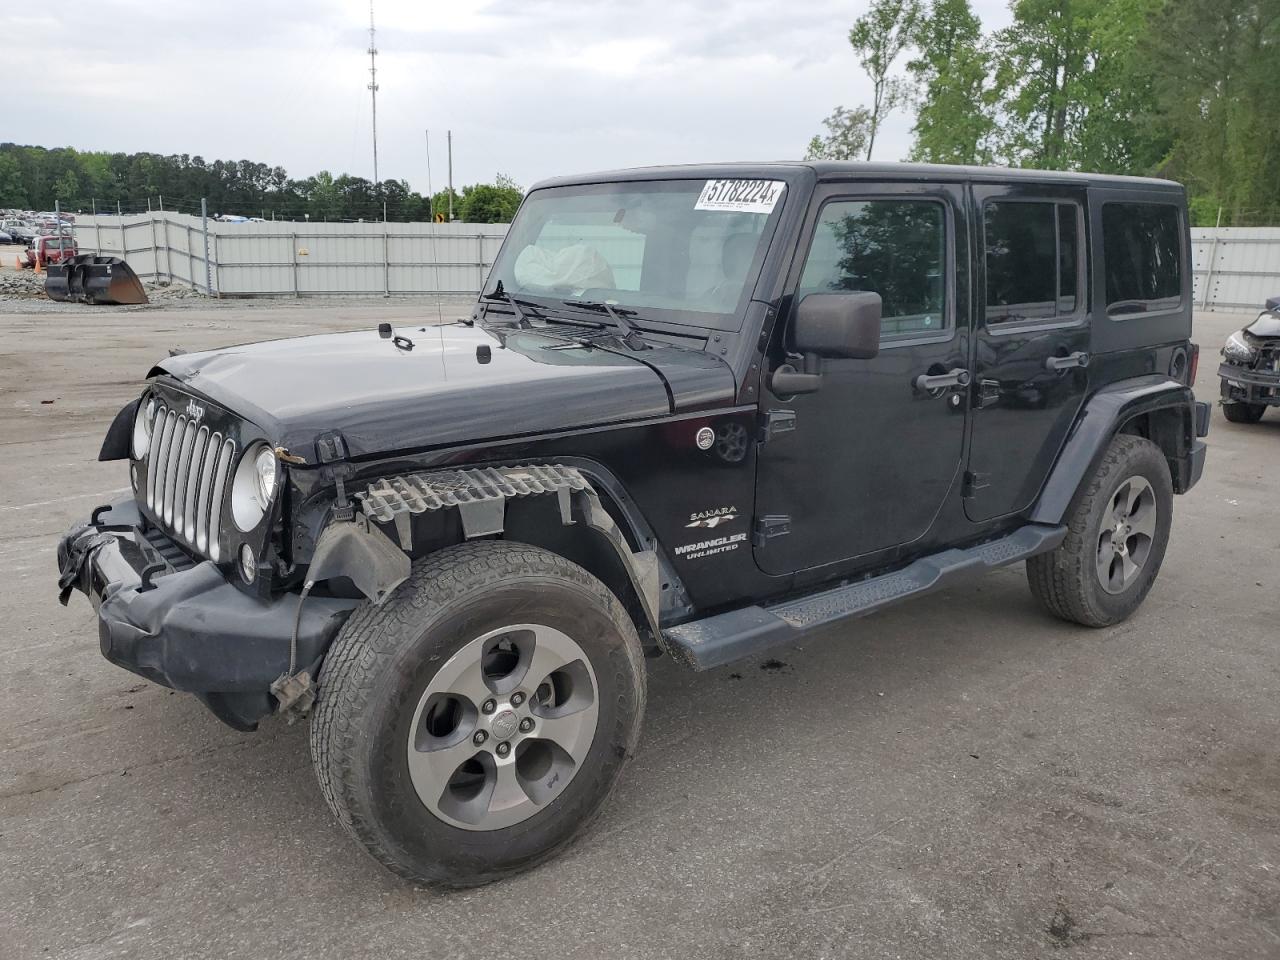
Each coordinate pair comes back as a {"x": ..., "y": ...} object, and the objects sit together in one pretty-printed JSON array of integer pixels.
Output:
[{"x": 826, "y": 170}]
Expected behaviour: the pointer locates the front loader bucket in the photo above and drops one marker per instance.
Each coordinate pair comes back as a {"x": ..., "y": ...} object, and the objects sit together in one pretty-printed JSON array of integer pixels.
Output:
[
  {"x": 93, "y": 279},
  {"x": 55, "y": 281}
]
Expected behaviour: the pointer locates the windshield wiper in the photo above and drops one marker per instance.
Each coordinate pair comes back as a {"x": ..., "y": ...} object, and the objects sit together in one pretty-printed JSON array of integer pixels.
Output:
[
  {"x": 501, "y": 296},
  {"x": 620, "y": 319}
]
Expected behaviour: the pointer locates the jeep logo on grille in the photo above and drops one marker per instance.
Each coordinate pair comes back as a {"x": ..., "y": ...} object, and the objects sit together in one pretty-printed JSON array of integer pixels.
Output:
[{"x": 195, "y": 411}]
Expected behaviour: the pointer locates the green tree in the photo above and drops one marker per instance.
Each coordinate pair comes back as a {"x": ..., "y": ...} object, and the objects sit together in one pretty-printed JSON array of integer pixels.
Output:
[
  {"x": 359, "y": 200},
  {"x": 1114, "y": 132},
  {"x": 847, "y": 134},
  {"x": 244, "y": 187},
  {"x": 955, "y": 116},
  {"x": 1212, "y": 70},
  {"x": 1076, "y": 94},
  {"x": 66, "y": 190},
  {"x": 878, "y": 38},
  {"x": 324, "y": 198},
  {"x": 489, "y": 203},
  {"x": 1044, "y": 58},
  {"x": 440, "y": 202},
  {"x": 13, "y": 192}
]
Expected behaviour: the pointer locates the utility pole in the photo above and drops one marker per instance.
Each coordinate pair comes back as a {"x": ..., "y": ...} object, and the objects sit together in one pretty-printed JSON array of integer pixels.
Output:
[
  {"x": 204, "y": 227},
  {"x": 373, "y": 90},
  {"x": 431, "y": 213},
  {"x": 450, "y": 139}
]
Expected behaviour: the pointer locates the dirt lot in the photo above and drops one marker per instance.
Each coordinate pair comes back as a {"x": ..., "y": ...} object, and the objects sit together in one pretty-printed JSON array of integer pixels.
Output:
[{"x": 960, "y": 777}]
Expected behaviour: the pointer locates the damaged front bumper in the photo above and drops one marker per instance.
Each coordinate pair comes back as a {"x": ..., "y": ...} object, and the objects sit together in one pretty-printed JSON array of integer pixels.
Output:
[
  {"x": 180, "y": 623},
  {"x": 1249, "y": 385}
]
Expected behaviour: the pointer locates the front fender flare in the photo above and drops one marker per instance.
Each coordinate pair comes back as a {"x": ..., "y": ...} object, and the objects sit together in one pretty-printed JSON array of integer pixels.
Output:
[{"x": 480, "y": 495}]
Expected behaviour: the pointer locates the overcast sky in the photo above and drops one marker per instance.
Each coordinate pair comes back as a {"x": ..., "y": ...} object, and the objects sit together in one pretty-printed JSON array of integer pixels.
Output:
[{"x": 530, "y": 88}]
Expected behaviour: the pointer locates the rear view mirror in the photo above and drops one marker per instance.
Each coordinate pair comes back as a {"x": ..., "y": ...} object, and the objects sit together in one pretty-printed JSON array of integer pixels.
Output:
[{"x": 831, "y": 325}]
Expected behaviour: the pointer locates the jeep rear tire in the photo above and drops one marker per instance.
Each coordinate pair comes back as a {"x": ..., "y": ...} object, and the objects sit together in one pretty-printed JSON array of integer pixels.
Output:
[
  {"x": 1244, "y": 412},
  {"x": 1117, "y": 531},
  {"x": 473, "y": 724}
]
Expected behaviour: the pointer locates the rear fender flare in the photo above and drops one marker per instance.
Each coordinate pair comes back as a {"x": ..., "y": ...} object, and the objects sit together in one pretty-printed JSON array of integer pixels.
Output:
[{"x": 1151, "y": 404}]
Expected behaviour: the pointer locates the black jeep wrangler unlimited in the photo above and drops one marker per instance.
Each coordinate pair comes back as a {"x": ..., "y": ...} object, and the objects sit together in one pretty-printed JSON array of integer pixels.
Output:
[{"x": 698, "y": 411}]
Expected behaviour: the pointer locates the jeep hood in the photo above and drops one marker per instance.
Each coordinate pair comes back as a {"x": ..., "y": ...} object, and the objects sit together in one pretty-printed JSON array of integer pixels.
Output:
[{"x": 384, "y": 395}]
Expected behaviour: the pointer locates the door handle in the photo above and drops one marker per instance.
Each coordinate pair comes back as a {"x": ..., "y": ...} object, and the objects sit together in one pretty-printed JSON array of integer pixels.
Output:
[
  {"x": 1077, "y": 359},
  {"x": 955, "y": 377}
]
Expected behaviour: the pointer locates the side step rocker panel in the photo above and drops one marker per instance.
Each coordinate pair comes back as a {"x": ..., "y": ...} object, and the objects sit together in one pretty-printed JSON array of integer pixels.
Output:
[{"x": 715, "y": 641}]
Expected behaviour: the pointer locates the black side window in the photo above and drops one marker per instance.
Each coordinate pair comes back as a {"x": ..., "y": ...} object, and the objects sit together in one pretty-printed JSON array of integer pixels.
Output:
[
  {"x": 896, "y": 248},
  {"x": 1142, "y": 246},
  {"x": 1033, "y": 259}
]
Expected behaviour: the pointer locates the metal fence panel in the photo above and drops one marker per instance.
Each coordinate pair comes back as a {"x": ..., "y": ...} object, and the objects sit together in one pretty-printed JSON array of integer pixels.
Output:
[
  {"x": 1236, "y": 268},
  {"x": 299, "y": 259}
]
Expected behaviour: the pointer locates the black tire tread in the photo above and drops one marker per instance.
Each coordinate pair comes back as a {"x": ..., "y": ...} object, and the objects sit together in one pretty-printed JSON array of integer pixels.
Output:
[
  {"x": 1058, "y": 579},
  {"x": 1243, "y": 412},
  {"x": 368, "y": 643}
]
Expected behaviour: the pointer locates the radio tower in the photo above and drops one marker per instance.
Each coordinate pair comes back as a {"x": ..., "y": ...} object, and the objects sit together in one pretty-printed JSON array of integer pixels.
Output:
[{"x": 373, "y": 90}]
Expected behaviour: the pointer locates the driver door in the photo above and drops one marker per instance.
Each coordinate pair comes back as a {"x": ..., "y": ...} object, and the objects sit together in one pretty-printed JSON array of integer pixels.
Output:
[{"x": 872, "y": 457}]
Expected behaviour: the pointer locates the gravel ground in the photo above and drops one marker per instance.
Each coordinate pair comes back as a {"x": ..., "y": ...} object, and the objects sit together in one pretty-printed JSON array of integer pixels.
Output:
[{"x": 958, "y": 777}]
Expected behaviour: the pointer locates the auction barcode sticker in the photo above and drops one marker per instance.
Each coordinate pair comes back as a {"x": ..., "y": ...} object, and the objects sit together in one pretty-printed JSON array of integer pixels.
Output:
[{"x": 740, "y": 196}]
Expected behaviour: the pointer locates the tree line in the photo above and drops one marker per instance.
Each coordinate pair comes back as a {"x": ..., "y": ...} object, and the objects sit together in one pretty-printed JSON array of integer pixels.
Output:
[
  {"x": 34, "y": 178},
  {"x": 1183, "y": 89}
]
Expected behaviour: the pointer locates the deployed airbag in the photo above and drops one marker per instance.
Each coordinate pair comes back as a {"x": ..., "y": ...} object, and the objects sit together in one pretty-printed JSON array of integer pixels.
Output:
[{"x": 578, "y": 267}]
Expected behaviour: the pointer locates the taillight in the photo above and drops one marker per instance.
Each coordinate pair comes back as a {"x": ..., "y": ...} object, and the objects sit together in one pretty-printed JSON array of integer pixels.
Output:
[{"x": 1194, "y": 365}]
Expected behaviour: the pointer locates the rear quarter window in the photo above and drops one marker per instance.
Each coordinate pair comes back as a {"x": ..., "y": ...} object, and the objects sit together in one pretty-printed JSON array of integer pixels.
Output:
[{"x": 1142, "y": 250}]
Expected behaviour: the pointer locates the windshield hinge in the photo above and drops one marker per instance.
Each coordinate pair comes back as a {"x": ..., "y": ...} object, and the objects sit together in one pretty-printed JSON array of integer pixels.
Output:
[
  {"x": 766, "y": 528},
  {"x": 330, "y": 447},
  {"x": 775, "y": 422}
]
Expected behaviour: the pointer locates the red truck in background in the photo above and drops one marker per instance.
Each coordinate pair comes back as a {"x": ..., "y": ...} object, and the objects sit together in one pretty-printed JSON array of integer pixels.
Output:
[{"x": 42, "y": 251}]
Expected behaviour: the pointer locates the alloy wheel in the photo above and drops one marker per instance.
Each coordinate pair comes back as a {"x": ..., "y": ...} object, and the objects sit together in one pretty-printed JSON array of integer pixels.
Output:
[
  {"x": 1127, "y": 533},
  {"x": 503, "y": 727}
]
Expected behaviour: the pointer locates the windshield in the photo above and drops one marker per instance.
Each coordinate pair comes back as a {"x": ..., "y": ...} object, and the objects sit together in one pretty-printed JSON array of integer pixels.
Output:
[{"x": 680, "y": 251}]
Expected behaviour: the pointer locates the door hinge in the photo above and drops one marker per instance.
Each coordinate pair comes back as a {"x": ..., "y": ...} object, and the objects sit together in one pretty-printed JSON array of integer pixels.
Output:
[
  {"x": 988, "y": 392},
  {"x": 766, "y": 528},
  {"x": 775, "y": 422},
  {"x": 973, "y": 482}
]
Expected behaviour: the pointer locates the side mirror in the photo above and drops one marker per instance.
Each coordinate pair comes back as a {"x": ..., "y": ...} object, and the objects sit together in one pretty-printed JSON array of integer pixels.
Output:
[
  {"x": 839, "y": 325},
  {"x": 833, "y": 325}
]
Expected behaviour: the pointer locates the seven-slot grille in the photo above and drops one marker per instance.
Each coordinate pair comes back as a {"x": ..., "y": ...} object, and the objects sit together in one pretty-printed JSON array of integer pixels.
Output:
[{"x": 186, "y": 476}]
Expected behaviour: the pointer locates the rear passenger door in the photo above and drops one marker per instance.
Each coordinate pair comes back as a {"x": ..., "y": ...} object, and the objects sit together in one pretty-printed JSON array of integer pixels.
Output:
[{"x": 1032, "y": 313}]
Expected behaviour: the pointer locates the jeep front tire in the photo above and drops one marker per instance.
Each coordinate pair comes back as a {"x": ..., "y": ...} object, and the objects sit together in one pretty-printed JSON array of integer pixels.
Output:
[
  {"x": 474, "y": 723},
  {"x": 1117, "y": 531}
]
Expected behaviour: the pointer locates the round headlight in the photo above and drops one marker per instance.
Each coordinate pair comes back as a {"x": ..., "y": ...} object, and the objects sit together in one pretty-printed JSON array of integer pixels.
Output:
[
  {"x": 142, "y": 429},
  {"x": 254, "y": 486},
  {"x": 264, "y": 464},
  {"x": 1238, "y": 348}
]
